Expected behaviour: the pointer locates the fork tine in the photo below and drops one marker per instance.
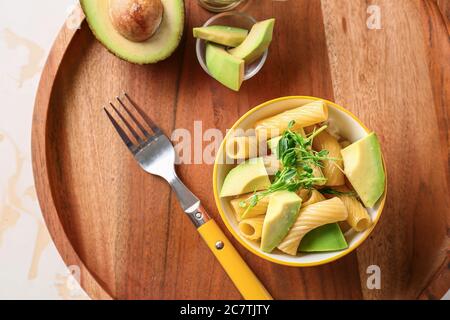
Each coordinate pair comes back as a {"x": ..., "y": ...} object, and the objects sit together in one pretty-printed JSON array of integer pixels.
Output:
[
  {"x": 147, "y": 119},
  {"x": 128, "y": 125},
  {"x": 140, "y": 126},
  {"x": 120, "y": 131}
]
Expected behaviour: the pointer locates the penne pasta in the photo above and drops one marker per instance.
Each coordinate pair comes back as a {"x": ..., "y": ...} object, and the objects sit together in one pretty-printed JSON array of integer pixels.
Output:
[
  {"x": 241, "y": 148},
  {"x": 259, "y": 209},
  {"x": 315, "y": 196},
  {"x": 332, "y": 169},
  {"x": 305, "y": 194},
  {"x": 358, "y": 217},
  {"x": 303, "y": 116},
  {"x": 318, "y": 173},
  {"x": 311, "y": 217},
  {"x": 310, "y": 196},
  {"x": 251, "y": 228}
]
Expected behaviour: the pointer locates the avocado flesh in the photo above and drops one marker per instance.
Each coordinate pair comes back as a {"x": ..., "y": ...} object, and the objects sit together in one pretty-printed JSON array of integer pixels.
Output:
[
  {"x": 363, "y": 166},
  {"x": 249, "y": 176},
  {"x": 160, "y": 46},
  {"x": 223, "y": 67},
  {"x": 227, "y": 36},
  {"x": 282, "y": 212},
  {"x": 257, "y": 41},
  {"x": 324, "y": 238}
]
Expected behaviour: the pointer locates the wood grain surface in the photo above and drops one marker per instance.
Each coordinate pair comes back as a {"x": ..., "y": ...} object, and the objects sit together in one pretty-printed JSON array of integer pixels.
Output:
[
  {"x": 124, "y": 228},
  {"x": 387, "y": 77}
]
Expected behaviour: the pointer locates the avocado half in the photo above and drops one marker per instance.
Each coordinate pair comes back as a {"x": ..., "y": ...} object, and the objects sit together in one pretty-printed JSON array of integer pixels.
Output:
[{"x": 158, "y": 47}]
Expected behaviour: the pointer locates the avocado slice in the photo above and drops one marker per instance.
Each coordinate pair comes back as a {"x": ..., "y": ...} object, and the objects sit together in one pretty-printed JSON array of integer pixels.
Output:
[
  {"x": 257, "y": 41},
  {"x": 324, "y": 238},
  {"x": 363, "y": 166},
  {"x": 223, "y": 67},
  {"x": 227, "y": 36},
  {"x": 282, "y": 212},
  {"x": 158, "y": 47},
  {"x": 249, "y": 176}
]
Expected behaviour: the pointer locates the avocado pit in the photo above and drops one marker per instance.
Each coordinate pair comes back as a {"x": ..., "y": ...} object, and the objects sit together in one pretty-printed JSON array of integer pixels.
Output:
[{"x": 136, "y": 20}]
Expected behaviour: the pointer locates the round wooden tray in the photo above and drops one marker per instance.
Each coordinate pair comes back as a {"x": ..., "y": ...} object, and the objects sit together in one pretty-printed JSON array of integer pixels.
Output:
[{"x": 125, "y": 230}]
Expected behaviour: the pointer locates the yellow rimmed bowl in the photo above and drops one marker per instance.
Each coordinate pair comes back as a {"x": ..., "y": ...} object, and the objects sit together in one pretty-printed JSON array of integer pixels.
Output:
[{"x": 349, "y": 127}]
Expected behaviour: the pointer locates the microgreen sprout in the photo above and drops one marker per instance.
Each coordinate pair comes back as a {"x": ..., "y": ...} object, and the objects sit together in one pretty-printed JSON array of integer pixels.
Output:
[{"x": 298, "y": 161}]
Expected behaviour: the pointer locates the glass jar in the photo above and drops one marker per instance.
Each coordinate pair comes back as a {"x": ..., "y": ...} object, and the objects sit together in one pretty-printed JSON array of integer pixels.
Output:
[{"x": 219, "y": 5}]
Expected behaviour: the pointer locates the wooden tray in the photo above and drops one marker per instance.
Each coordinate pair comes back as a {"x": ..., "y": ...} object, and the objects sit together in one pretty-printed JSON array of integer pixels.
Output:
[{"x": 124, "y": 228}]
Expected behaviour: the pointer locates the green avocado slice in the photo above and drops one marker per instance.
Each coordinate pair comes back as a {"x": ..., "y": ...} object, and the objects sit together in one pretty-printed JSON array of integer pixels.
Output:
[
  {"x": 158, "y": 47},
  {"x": 227, "y": 36},
  {"x": 324, "y": 238},
  {"x": 363, "y": 166},
  {"x": 248, "y": 176},
  {"x": 223, "y": 67},
  {"x": 282, "y": 212},
  {"x": 257, "y": 41}
]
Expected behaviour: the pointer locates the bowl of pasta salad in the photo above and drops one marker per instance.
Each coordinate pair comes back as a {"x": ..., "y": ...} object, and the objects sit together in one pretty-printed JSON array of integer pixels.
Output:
[{"x": 300, "y": 181}]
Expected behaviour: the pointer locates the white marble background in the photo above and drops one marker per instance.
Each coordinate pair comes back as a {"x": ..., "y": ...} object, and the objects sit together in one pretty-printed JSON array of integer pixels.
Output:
[{"x": 30, "y": 266}]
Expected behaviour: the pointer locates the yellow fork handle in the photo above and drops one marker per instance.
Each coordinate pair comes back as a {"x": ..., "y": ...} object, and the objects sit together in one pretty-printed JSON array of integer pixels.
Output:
[{"x": 239, "y": 272}]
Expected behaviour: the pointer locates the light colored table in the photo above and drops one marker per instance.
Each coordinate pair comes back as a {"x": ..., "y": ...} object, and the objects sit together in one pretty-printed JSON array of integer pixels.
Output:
[{"x": 30, "y": 266}]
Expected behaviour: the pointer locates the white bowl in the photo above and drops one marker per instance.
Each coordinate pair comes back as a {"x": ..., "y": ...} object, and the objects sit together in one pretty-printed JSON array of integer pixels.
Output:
[{"x": 349, "y": 126}]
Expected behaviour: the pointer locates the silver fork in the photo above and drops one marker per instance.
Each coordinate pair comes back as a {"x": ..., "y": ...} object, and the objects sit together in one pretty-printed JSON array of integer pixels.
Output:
[{"x": 155, "y": 154}]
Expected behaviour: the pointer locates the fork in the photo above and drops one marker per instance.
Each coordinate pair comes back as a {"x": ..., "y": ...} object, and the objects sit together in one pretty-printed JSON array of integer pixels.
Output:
[{"x": 155, "y": 154}]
